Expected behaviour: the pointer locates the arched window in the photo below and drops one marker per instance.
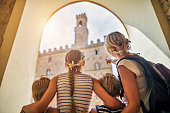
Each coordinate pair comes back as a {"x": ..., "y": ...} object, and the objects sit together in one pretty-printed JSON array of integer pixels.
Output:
[
  {"x": 97, "y": 65},
  {"x": 48, "y": 72},
  {"x": 50, "y": 59},
  {"x": 97, "y": 51},
  {"x": 80, "y": 24}
]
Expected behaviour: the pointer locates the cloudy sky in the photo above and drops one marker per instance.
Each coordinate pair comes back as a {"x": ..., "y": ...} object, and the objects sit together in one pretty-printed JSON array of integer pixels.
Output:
[{"x": 59, "y": 30}]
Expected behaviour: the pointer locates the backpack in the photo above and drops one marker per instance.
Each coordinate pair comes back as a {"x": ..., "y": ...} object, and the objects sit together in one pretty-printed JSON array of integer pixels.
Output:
[{"x": 158, "y": 80}]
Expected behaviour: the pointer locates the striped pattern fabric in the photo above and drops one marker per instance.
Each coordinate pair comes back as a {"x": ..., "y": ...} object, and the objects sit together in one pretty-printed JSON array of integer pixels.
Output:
[
  {"x": 83, "y": 88},
  {"x": 105, "y": 109}
]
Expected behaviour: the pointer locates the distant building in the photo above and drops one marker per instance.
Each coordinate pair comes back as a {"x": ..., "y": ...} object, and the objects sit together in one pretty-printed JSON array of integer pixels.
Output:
[{"x": 52, "y": 63}]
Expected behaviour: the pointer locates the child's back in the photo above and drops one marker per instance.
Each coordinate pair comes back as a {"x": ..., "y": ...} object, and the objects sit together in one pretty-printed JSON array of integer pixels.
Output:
[{"x": 83, "y": 88}]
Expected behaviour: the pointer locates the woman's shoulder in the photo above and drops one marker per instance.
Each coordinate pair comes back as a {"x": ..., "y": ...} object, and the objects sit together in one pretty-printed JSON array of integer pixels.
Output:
[
  {"x": 127, "y": 62},
  {"x": 132, "y": 65}
]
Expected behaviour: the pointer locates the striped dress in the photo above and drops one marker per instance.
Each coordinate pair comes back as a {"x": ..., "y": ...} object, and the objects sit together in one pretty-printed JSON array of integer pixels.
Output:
[{"x": 83, "y": 88}]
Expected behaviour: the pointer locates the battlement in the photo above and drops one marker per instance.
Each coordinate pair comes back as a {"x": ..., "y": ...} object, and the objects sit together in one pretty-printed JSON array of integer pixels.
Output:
[
  {"x": 81, "y": 15},
  {"x": 61, "y": 50}
]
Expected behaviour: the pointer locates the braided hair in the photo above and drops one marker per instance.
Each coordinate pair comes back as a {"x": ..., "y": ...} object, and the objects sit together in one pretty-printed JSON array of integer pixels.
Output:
[
  {"x": 117, "y": 41},
  {"x": 73, "y": 60}
]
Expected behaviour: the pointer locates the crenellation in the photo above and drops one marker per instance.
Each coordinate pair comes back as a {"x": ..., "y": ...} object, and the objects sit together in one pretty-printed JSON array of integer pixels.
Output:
[
  {"x": 61, "y": 48},
  {"x": 91, "y": 42},
  {"x": 98, "y": 40},
  {"x": 55, "y": 49},
  {"x": 73, "y": 46},
  {"x": 49, "y": 50},
  {"x": 66, "y": 47},
  {"x": 44, "y": 51},
  {"x": 80, "y": 15}
]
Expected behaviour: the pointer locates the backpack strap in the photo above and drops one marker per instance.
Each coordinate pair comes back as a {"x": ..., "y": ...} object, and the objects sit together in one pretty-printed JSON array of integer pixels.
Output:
[
  {"x": 143, "y": 107},
  {"x": 122, "y": 90},
  {"x": 141, "y": 61}
]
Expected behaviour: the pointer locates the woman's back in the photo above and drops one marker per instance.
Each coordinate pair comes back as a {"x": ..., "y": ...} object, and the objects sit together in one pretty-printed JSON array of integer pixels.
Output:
[{"x": 83, "y": 87}]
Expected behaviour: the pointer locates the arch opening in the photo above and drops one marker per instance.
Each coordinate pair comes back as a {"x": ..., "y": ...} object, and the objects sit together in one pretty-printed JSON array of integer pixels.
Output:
[{"x": 80, "y": 28}]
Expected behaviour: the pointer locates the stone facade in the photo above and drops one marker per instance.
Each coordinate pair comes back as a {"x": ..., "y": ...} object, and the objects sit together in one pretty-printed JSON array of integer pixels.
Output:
[{"x": 51, "y": 63}]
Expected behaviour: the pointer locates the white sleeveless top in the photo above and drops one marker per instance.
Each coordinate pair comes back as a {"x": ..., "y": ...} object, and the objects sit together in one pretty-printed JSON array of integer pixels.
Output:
[
  {"x": 144, "y": 92},
  {"x": 83, "y": 88}
]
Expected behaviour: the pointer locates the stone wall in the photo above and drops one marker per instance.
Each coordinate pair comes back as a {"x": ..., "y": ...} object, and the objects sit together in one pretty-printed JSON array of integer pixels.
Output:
[
  {"x": 165, "y": 4},
  {"x": 6, "y": 7},
  {"x": 95, "y": 54}
]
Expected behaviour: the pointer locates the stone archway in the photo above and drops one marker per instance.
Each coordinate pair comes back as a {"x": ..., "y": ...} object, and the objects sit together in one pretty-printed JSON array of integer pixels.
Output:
[{"x": 19, "y": 73}]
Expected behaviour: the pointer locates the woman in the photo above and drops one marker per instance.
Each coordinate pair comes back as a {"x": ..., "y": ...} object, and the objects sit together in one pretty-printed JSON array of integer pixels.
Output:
[
  {"x": 74, "y": 89},
  {"x": 131, "y": 73}
]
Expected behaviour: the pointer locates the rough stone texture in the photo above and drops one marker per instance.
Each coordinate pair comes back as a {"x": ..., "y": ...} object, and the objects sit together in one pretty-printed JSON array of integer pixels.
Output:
[
  {"x": 166, "y": 8},
  {"x": 54, "y": 60},
  {"x": 6, "y": 7}
]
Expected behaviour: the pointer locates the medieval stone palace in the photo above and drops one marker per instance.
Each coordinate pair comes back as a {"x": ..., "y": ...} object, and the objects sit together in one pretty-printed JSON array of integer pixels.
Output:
[{"x": 52, "y": 63}]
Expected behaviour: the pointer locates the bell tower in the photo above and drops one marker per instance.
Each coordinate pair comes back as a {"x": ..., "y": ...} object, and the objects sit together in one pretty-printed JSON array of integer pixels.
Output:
[{"x": 81, "y": 31}]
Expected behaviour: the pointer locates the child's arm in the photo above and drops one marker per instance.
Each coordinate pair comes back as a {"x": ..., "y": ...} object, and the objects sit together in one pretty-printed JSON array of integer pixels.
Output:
[
  {"x": 52, "y": 110},
  {"x": 40, "y": 106},
  {"x": 105, "y": 97}
]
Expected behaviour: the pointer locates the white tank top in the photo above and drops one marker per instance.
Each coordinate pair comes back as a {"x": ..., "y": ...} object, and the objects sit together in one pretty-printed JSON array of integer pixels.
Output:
[{"x": 144, "y": 92}]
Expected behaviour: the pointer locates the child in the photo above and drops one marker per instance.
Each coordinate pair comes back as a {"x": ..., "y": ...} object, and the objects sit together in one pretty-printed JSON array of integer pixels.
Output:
[
  {"x": 112, "y": 85},
  {"x": 74, "y": 89},
  {"x": 38, "y": 89}
]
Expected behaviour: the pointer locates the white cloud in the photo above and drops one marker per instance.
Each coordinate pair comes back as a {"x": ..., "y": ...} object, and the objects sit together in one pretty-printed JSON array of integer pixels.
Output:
[{"x": 59, "y": 30}]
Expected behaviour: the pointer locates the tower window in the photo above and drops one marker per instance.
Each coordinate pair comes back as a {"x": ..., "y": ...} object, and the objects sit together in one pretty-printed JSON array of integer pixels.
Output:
[
  {"x": 97, "y": 65},
  {"x": 50, "y": 59},
  {"x": 97, "y": 51},
  {"x": 80, "y": 24},
  {"x": 48, "y": 72}
]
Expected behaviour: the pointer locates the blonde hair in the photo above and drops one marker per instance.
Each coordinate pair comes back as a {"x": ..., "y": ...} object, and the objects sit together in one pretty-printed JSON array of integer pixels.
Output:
[
  {"x": 117, "y": 41},
  {"x": 39, "y": 87},
  {"x": 73, "y": 60},
  {"x": 111, "y": 84}
]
